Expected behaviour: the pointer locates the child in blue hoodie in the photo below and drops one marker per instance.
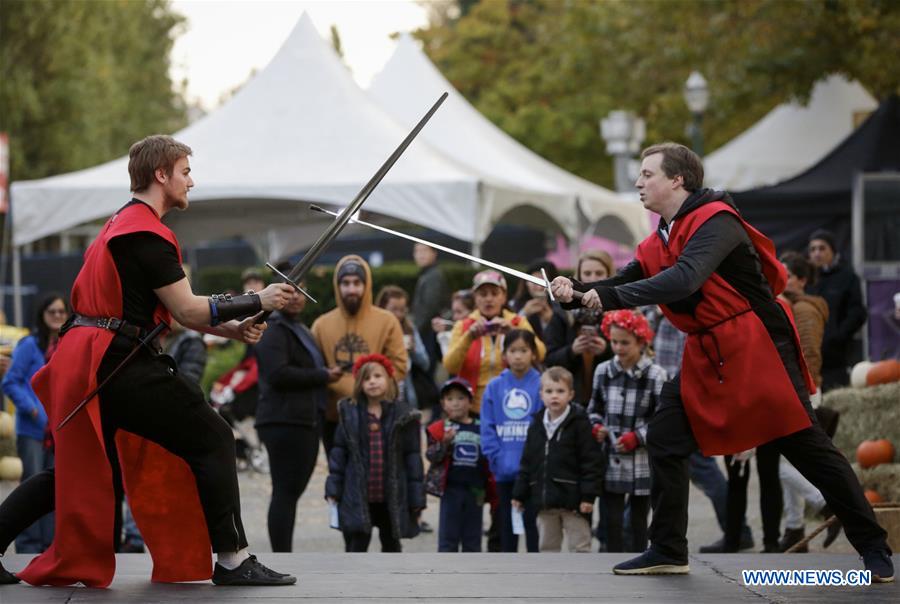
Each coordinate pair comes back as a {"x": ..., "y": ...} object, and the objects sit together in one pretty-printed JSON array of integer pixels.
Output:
[{"x": 510, "y": 402}]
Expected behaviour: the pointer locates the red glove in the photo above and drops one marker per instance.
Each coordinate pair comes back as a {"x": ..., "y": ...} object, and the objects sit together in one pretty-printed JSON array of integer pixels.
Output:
[
  {"x": 595, "y": 429},
  {"x": 629, "y": 440}
]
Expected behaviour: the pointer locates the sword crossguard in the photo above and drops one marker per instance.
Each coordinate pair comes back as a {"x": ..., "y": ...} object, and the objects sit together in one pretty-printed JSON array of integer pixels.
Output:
[
  {"x": 547, "y": 285},
  {"x": 290, "y": 282}
]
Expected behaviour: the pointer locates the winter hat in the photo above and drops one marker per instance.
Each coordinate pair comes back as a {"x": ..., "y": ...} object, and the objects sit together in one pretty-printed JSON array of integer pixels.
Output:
[
  {"x": 352, "y": 267},
  {"x": 826, "y": 236}
]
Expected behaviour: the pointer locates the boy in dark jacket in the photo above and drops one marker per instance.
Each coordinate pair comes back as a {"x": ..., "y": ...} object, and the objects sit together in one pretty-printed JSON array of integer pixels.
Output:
[
  {"x": 375, "y": 466},
  {"x": 561, "y": 467},
  {"x": 459, "y": 472}
]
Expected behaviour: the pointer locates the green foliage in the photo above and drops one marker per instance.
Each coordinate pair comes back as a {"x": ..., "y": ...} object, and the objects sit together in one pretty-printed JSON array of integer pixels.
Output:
[
  {"x": 83, "y": 80},
  {"x": 546, "y": 71},
  {"x": 220, "y": 359}
]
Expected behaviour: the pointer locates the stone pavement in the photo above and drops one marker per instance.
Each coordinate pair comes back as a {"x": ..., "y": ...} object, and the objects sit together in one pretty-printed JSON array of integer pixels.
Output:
[{"x": 491, "y": 578}]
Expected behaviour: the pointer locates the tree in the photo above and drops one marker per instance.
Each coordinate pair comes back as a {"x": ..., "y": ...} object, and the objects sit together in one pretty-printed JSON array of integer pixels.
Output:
[
  {"x": 82, "y": 80},
  {"x": 546, "y": 71}
]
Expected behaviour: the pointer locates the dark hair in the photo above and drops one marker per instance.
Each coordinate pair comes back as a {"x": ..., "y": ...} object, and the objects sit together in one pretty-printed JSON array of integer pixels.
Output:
[
  {"x": 798, "y": 265},
  {"x": 522, "y": 296},
  {"x": 150, "y": 154},
  {"x": 678, "y": 160},
  {"x": 514, "y": 335},
  {"x": 41, "y": 331},
  {"x": 394, "y": 292},
  {"x": 466, "y": 297}
]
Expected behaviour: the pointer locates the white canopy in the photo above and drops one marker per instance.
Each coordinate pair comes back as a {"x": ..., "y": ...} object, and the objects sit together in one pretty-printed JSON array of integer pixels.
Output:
[
  {"x": 459, "y": 131},
  {"x": 300, "y": 131},
  {"x": 790, "y": 138}
]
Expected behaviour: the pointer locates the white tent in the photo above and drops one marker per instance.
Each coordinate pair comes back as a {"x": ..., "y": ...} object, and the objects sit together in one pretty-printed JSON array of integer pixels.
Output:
[
  {"x": 790, "y": 138},
  {"x": 300, "y": 131},
  {"x": 459, "y": 131}
]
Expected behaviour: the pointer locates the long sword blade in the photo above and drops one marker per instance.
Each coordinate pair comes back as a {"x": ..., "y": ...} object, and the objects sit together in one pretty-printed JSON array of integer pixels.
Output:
[
  {"x": 302, "y": 267},
  {"x": 494, "y": 265}
]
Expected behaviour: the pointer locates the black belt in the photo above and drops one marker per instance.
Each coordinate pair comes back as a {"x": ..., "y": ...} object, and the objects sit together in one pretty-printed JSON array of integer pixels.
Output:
[{"x": 113, "y": 324}]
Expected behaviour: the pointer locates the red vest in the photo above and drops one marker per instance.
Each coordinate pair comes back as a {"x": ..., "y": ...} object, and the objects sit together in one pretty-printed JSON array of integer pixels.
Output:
[
  {"x": 736, "y": 392},
  {"x": 161, "y": 489}
]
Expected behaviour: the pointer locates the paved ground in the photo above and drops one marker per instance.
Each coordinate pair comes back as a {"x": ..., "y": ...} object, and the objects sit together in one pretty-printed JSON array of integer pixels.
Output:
[{"x": 473, "y": 578}]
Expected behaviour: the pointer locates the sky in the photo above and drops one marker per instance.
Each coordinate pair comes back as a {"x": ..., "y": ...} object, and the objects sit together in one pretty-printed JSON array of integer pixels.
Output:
[{"x": 224, "y": 41}]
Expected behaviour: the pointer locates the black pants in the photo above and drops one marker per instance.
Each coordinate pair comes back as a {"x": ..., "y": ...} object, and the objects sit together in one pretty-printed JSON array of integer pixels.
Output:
[
  {"x": 292, "y": 458},
  {"x": 359, "y": 542},
  {"x": 460, "y": 520},
  {"x": 148, "y": 399},
  {"x": 509, "y": 541},
  {"x": 615, "y": 514},
  {"x": 770, "y": 498},
  {"x": 29, "y": 502},
  {"x": 670, "y": 441}
]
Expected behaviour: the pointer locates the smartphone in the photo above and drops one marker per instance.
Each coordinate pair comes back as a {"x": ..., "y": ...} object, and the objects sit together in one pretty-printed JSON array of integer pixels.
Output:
[
  {"x": 589, "y": 330},
  {"x": 492, "y": 327}
]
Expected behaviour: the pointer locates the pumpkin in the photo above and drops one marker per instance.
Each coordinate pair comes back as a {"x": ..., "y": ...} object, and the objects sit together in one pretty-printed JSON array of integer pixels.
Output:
[
  {"x": 873, "y": 496},
  {"x": 883, "y": 372},
  {"x": 7, "y": 425},
  {"x": 10, "y": 468},
  {"x": 858, "y": 374},
  {"x": 871, "y": 453}
]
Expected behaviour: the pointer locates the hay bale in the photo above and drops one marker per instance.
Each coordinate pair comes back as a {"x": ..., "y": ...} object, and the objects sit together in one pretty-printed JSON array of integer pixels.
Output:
[
  {"x": 883, "y": 479},
  {"x": 866, "y": 414}
]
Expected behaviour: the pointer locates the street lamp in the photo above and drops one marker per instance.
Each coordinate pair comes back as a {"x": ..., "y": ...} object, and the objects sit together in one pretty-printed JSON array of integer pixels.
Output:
[
  {"x": 623, "y": 132},
  {"x": 696, "y": 95}
]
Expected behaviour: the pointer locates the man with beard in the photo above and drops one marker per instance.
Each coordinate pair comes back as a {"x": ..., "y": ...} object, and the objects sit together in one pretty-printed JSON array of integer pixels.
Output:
[
  {"x": 175, "y": 454},
  {"x": 356, "y": 327},
  {"x": 743, "y": 380}
]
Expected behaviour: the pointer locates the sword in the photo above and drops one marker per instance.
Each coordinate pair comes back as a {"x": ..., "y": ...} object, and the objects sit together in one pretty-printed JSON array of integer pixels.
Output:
[
  {"x": 140, "y": 344},
  {"x": 543, "y": 281},
  {"x": 299, "y": 270}
]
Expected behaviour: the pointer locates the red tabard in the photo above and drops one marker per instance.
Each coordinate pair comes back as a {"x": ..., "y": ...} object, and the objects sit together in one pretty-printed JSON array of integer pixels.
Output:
[
  {"x": 736, "y": 392},
  {"x": 161, "y": 489}
]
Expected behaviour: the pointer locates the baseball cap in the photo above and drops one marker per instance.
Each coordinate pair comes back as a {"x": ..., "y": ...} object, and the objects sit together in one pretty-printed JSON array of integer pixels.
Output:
[
  {"x": 457, "y": 382},
  {"x": 489, "y": 278}
]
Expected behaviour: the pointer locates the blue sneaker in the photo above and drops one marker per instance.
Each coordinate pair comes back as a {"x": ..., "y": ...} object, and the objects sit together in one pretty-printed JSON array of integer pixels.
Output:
[
  {"x": 879, "y": 562},
  {"x": 652, "y": 563}
]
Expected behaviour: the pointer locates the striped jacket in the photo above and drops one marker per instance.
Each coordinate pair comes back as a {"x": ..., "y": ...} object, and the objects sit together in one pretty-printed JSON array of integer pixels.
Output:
[{"x": 623, "y": 401}]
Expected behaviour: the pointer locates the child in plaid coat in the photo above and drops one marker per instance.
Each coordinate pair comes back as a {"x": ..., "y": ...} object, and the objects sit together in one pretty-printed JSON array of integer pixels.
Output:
[{"x": 625, "y": 395}]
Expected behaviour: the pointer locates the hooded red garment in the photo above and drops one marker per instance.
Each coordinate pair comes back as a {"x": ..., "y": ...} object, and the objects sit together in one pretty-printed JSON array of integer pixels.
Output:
[
  {"x": 737, "y": 393},
  {"x": 161, "y": 489}
]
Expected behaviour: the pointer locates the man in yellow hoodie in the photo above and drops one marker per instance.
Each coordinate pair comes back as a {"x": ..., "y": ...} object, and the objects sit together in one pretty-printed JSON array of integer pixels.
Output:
[{"x": 356, "y": 327}]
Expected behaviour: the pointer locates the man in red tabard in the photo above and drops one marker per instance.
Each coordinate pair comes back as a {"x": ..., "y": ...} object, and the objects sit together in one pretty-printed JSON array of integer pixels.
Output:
[
  {"x": 176, "y": 456},
  {"x": 743, "y": 381}
]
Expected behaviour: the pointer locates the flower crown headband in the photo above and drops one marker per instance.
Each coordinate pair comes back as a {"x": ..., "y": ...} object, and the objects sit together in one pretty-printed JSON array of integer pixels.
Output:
[
  {"x": 630, "y": 321},
  {"x": 373, "y": 358}
]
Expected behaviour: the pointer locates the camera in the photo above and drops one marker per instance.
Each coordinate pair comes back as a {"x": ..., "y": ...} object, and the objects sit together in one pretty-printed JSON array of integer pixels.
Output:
[{"x": 492, "y": 327}]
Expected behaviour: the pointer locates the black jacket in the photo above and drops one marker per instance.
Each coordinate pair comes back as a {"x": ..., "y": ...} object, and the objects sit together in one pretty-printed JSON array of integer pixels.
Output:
[
  {"x": 348, "y": 468},
  {"x": 564, "y": 472},
  {"x": 292, "y": 374},
  {"x": 840, "y": 287}
]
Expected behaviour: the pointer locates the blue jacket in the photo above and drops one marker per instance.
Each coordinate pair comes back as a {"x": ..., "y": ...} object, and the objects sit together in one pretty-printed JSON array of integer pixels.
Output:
[
  {"x": 508, "y": 406},
  {"x": 27, "y": 358}
]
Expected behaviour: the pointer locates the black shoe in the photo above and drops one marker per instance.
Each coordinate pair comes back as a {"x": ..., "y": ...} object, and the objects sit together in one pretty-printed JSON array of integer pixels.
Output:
[
  {"x": 250, "y": 572},
  {"x": 6, "y": 577},
  {"x": 880, "y": 564},
  {"x": 718, "y": 547},
  {"x": 424, "y": 527},
  {"x": 770, "y": 548},
  {"x": 834, "y": 529},
  {"x": 652, "y": 563},
  {"x": 791, "y": 537}
]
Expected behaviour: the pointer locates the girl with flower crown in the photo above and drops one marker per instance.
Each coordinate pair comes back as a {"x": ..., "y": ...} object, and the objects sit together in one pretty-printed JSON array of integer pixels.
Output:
[
  {"x": 625, "y": 395},
  {"x": 375, "y": 466}
]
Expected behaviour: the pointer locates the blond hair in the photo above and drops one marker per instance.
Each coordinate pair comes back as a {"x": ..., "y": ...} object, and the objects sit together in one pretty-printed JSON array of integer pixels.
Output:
[
  {"x": 363, "y": 374},
  {"x": 558, "y": 374}
]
